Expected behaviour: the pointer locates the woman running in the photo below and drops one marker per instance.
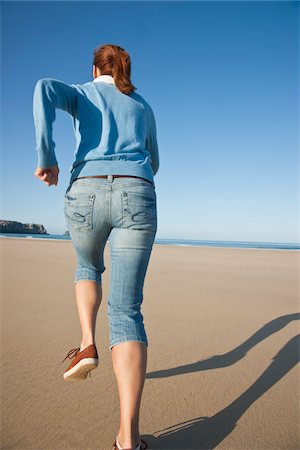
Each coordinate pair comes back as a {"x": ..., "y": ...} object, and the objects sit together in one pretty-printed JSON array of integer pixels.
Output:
[{"x": 111, "y": 195}]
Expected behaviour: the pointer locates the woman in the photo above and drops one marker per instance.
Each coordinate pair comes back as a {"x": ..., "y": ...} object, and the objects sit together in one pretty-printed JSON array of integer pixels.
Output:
[{"x": 112, "y": 195}]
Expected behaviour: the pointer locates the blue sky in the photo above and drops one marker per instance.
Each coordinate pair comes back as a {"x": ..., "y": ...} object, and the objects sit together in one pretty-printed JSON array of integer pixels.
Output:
[{"x": 222, "y": 80}]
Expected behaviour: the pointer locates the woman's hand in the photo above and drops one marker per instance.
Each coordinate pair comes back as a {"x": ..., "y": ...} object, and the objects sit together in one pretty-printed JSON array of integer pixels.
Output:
[{"x": 48, "y": 176}]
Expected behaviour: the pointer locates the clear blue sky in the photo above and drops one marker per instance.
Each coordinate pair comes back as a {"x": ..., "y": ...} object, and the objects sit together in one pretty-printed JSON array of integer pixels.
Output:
[{"x": 222, "y": 80}]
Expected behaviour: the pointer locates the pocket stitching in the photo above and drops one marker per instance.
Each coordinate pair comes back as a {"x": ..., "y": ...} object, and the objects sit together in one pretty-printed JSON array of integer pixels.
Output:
[
  {"x": 128, "y": 215},
  {"x": 78, "y": 225}
]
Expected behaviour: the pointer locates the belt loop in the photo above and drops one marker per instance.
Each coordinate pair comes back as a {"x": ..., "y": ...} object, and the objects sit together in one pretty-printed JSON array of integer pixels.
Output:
[{"x": 110, "y": 178}]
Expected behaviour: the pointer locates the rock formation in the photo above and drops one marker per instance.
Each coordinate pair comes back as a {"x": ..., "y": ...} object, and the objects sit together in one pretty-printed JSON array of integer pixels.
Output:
[{"x": 10, "y": 226}]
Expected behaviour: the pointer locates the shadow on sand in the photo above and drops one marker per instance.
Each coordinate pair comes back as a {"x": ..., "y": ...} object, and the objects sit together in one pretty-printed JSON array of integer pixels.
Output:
[{"x": 208, "y": 432}]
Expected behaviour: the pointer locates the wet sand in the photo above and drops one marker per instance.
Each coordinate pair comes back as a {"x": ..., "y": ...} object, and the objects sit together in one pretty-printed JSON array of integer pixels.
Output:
[{"x": 223, "y": 331}]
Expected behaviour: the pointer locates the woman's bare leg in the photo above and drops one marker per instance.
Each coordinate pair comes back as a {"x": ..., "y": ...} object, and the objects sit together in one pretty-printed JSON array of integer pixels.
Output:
[
  {"x": 88, "y": 297},
  {"x": 129, "y": 363}
]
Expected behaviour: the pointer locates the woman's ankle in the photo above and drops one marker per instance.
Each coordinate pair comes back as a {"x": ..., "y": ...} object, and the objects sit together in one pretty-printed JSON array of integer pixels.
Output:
[
  {"x": 132, "y": 442},
  {"x": 85, "y": 344}
]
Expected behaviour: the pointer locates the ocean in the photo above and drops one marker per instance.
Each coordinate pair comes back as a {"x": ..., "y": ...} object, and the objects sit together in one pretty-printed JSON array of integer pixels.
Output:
[{"x": 178, "y": 242}]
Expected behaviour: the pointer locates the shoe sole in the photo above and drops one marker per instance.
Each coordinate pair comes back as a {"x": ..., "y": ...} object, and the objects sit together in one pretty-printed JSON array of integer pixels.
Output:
[{"x": 82, "y": 369}]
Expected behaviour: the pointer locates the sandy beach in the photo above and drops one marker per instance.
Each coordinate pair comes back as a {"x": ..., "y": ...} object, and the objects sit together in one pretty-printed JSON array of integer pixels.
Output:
[{"x": 223, "y": 331}]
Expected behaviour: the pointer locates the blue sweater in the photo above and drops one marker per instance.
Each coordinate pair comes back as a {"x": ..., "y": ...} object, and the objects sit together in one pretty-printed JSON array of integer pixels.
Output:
[{"x": 115, "y": 133}]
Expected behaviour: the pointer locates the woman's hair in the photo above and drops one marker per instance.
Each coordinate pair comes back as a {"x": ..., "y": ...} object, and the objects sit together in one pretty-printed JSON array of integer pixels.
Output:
[{"x": 115, "y": 61}]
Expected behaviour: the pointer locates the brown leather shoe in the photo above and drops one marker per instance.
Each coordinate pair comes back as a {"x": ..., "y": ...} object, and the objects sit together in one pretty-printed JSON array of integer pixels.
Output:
[
  {"x": 138, "y": 447},
  {"x": 84, "y": 361}
]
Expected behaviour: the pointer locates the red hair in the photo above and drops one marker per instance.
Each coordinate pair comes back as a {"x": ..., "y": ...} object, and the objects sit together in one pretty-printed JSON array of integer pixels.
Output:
[{"x": 115, "y": 61}]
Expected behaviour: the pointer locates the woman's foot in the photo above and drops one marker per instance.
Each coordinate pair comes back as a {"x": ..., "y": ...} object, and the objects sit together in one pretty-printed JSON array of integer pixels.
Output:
[
  {"x": 142, "y": 445},
  {"x": 119, "y": 447},
  {"x": 84, "y": 361}
]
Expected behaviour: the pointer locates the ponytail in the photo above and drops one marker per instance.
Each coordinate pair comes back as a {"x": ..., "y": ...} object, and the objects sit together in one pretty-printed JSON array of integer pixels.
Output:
[{"x": 115, "y": 61}]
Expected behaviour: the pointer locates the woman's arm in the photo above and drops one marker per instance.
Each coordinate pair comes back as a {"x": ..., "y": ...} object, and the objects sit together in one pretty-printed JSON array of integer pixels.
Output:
[
  {"x": 49, "y": 94},
  {"x": 151, "y": 141}
]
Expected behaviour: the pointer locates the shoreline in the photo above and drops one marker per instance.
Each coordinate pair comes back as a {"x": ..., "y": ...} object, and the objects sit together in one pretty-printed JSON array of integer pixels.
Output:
[{"x": 164, "y": 245}]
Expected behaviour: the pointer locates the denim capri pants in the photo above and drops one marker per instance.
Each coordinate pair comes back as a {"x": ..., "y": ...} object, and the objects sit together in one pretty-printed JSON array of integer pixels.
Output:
[{"x": 123, "y": 211}]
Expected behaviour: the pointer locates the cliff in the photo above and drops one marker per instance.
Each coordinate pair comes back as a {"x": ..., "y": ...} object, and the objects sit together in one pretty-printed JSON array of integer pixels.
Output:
[{"x": 10, "y": 226}]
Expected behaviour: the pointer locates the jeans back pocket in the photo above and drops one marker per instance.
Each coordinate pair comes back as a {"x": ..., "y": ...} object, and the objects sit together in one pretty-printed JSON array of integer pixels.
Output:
[
  {"x": 139, "y": 209},
  {"x": 78, "y": 210}
]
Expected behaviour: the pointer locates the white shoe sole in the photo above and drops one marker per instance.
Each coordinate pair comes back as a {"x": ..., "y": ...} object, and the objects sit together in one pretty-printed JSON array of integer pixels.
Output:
[{"x": 82, "y": 369}]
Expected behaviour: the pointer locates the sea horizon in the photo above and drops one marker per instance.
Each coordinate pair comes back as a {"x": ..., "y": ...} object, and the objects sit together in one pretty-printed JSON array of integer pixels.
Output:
[{"x": 173, "y": 241}]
